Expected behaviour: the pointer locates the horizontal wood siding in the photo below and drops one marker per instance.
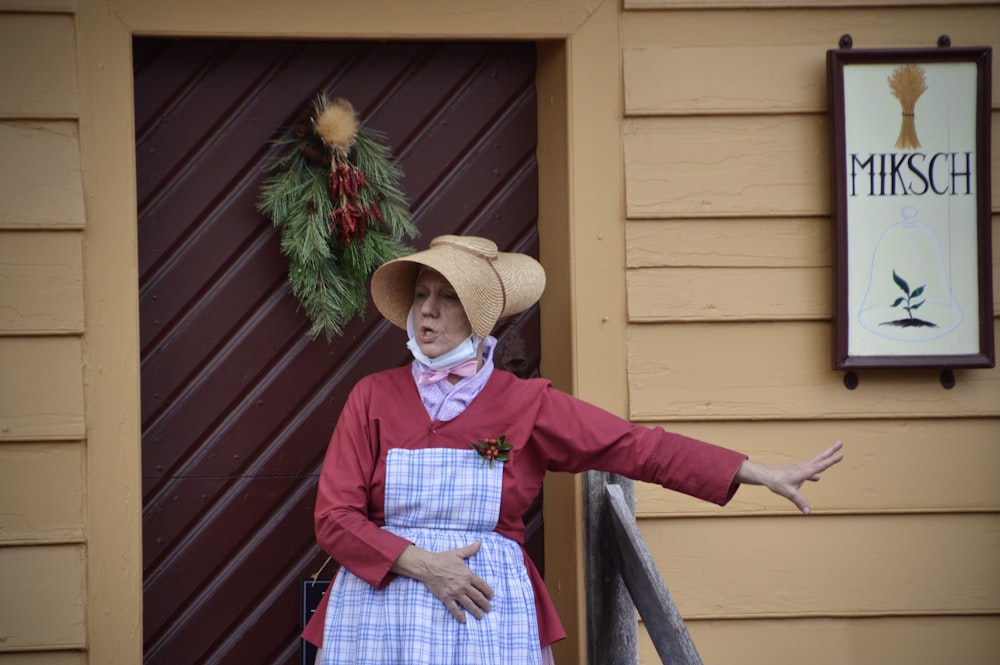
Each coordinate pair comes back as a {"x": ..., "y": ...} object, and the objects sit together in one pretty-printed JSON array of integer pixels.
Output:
[
  {"x": 43, "y": 568},
  {"x": 40, "y": 185},
  {"x": 869, "y": 565},
  {"x": 711, "y": 166},
  {"x": 43, "y": 597},
  {"x": 741, "y": 68},
  {"x": 41, "y": 282},
  {"x": 736, "y": 166},
  {"x": 943, "y": 472},
  {"x": 818, "y": 24},
  {"x": 668, "y": 258},
  {"x": 46, "y": 400},
  {"x": 756, "y": 370},
  {"x": 729, "y": 294},
  {"x": 757, "y": 242},
  {"x": 44, "y": 658},
  {"x": 735, "y": 79},
  {"x": 26, "y": 517},
  {"x": 48, "y": 87},
  {"x": 832, "y": 641},
  {"x": 788, "y": 4},
  {"x": 729, "y": 285}
]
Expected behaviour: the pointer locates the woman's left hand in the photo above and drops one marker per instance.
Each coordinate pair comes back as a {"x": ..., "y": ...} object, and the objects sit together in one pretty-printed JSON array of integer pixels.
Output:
[
  {"x": 449, "y": 578},
  {"x": 785, "y": 480}
]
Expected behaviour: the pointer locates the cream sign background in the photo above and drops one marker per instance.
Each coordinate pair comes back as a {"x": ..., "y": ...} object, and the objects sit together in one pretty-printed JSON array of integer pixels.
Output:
[{"x": 912, "y": 211}]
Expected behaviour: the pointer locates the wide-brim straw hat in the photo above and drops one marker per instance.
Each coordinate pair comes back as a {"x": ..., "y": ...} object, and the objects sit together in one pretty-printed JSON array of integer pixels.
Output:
[{"x": 491, "y": 284}]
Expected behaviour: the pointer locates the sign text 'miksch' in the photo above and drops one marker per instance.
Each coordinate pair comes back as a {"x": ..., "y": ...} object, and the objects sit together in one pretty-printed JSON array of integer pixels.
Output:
[{"x": 911, "y": 174}]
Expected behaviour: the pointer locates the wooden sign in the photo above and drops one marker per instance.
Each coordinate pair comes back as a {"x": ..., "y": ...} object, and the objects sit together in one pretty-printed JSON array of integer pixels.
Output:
[{"x": 911, "y": 211}]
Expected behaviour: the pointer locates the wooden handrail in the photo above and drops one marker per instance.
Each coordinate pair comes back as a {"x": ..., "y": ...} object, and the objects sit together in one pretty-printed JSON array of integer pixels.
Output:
[{"x": 645, "y": 585}]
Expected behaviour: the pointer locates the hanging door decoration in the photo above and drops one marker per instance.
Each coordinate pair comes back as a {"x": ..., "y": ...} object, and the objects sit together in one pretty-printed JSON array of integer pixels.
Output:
[
  {"x": 910, "y": 132},
  {"x": 334, "y": 191}
]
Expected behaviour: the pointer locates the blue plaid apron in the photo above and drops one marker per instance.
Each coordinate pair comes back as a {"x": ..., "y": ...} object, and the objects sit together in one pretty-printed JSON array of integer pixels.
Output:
[{"x": 439, "y": 499}]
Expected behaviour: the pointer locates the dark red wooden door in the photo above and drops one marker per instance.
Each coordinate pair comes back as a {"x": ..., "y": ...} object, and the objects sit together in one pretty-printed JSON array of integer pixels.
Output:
[{"x": 237, "y": 402}]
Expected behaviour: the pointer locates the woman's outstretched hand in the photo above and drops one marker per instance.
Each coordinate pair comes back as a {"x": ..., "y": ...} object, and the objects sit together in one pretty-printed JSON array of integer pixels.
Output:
[
  {"x": 785, "y": 480},
  {"x": 448, "y": 577}
]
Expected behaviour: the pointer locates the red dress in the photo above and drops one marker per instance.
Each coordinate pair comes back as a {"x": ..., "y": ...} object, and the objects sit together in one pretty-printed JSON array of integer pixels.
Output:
[{"x": 549, "y": 431}]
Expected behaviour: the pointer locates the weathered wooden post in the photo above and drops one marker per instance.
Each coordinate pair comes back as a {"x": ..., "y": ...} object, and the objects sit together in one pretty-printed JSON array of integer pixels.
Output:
[
  {"x": 612, "y": 631},
  {"x": 645, "y": 585}
]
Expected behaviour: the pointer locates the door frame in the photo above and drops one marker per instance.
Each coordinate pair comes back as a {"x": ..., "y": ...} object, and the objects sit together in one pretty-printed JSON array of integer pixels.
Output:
[{"x": 581, "y": 239}]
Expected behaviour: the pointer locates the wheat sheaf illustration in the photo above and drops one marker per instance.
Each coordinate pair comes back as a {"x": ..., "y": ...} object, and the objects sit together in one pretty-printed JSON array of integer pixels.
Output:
[{"x": 908, "y": 83}]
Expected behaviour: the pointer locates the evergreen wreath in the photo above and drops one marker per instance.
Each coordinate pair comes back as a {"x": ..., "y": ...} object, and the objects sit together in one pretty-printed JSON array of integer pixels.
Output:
[{"x": 334, "y": 193}]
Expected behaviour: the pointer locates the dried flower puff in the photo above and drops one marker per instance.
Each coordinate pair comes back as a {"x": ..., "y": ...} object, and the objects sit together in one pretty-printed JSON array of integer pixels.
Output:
[{"x": 335, "y": 123}]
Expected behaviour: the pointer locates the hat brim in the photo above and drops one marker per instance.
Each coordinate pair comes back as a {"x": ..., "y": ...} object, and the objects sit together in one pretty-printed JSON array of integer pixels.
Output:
[{"x": 489, "y": 289}]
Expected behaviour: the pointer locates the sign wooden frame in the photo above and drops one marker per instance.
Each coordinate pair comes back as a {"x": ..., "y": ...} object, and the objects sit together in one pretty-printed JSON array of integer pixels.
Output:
[{"x": 910, "y": 131}]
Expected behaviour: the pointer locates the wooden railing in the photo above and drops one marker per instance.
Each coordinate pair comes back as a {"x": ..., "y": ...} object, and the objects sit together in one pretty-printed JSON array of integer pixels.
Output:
[{"x": 622, "y": 578}]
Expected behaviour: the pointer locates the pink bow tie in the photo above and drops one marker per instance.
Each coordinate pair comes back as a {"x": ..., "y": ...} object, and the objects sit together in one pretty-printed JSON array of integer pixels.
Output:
[{"x": 468, "y": 368}]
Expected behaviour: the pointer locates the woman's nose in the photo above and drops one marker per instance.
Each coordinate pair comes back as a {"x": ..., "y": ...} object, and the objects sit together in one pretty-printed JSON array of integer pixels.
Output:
[{"x": 429, "y": 306}]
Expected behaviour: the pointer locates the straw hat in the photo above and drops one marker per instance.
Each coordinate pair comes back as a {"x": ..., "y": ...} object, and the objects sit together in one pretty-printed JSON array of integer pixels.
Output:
[{"x": 491, "y": 284}]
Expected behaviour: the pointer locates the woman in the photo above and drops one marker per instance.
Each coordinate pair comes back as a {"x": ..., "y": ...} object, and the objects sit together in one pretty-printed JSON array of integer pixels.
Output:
[{"x": 432, "y": 466}]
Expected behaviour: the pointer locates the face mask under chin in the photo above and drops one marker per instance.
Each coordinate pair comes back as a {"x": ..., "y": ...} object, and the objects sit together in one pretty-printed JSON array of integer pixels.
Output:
[{"x": 465, "y": 350}]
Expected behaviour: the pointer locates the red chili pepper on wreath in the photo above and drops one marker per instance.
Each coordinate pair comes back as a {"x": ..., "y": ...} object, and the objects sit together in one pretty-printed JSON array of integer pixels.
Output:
[{"x": 348, "y": 218}]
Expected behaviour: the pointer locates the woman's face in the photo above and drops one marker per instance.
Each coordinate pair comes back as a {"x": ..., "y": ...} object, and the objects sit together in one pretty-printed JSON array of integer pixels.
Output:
[{"x": 439, "y": 320}]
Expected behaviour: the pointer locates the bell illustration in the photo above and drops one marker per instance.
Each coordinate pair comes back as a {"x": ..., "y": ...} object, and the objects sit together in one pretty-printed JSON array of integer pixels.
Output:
[{"x": 909, "y": 295}]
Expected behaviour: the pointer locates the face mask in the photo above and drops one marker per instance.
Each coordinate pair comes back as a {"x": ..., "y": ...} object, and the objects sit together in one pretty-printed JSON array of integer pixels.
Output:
[{"x": 466, "y": 349}]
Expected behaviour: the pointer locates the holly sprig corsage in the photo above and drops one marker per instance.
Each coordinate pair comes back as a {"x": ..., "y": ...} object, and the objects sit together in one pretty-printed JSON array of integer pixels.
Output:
[{"x": 492, "y": 450}]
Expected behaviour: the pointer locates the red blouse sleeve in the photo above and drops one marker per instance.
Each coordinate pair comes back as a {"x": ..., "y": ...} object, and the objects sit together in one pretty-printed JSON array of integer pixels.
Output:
[
  {"x": 579, "y": 436},
  {"x": 344, "y": 528}
]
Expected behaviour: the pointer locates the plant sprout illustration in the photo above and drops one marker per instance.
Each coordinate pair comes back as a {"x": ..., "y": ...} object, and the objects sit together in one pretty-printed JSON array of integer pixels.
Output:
[
  {"x": 918, "y": 303},
  {"x": 907, "y": 301}
]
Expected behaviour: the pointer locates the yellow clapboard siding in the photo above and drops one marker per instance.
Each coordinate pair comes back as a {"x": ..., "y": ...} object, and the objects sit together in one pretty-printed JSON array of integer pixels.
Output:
[
  {"x": 994, "y": 156},
  {"x": 40, "y": 181},
  {"x": 46, "y": 400},
  {"x": 781, "y": 370},
  {"x": 750, "y": 243},
  {"x": 780, "y": 4},
  {"x": 821, "y": 25},
  {"x": 43, "y": 658},
  {"x": 996, "y": 264},
  {"x": 740, "y": 166},
  {"x": 780, "y": 78},
  {"x": 729, "y": 294},
  {"x": 41, "y": 282},
  {"x": 951, "y": 465},
  {"x": 40, "y": 6},
  {"x": 741, "y": 242},
  {"x": 829, "y": 565},
  {"x": 47, "y": 88},
  {"x": 972, "y": 640},
  {"x": 24, "y": 517},
  {"x": 732, "y": 166},
  {"x": 43, "y": 592}
]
